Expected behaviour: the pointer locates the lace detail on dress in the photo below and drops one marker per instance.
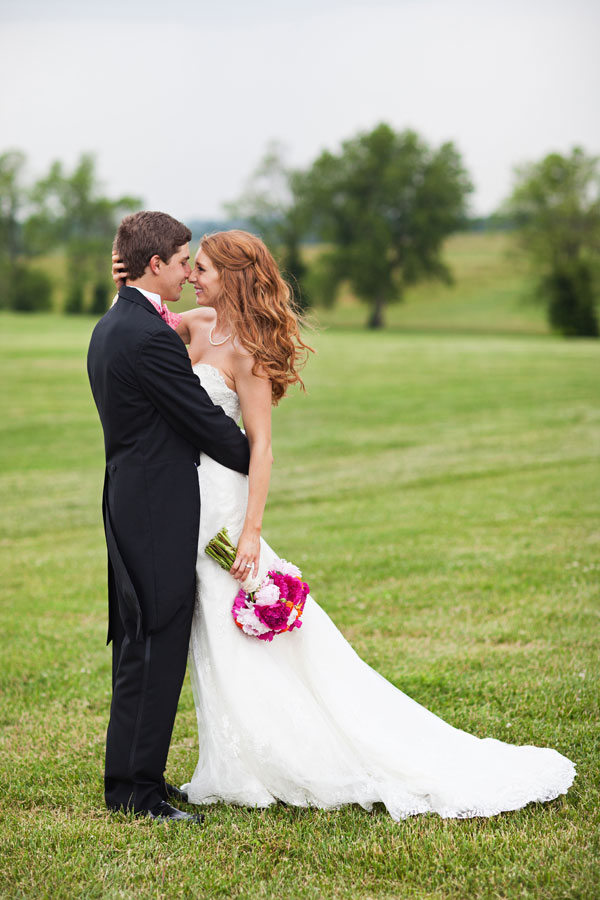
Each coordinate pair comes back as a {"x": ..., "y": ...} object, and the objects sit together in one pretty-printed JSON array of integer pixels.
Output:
[
  {"x": 304, "y": 720},
  {"x": 214, "y": 384}
]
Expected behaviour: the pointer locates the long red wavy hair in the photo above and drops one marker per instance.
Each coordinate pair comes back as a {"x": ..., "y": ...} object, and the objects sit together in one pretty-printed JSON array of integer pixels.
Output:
[{"x": 257, "y": 305}]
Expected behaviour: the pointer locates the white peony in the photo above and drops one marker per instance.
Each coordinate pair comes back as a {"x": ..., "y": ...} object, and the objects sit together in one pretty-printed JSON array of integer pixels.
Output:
[
  {"x": 251, "y": 584},
  {"x": 250, "y": 624},
  {"x": 287, "y": 568},
  {"x": 267, "y": 595}
]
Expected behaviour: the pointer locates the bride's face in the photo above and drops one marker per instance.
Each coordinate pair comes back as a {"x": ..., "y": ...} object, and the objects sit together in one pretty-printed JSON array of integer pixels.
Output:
[{"x": 206, "y": 280}]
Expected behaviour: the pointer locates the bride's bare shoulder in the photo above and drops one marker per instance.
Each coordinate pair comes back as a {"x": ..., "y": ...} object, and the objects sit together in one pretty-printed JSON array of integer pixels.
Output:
[
  {"x": 244, "y": 363},
  {"x": 198, "y": 317},
  {"x": 239, "y": 355},
  {"x": 197, "y": 322}
]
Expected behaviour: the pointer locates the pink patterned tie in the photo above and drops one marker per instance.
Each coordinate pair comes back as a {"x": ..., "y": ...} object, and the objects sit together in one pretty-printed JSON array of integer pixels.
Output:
[{"x": 171, "y": 318}]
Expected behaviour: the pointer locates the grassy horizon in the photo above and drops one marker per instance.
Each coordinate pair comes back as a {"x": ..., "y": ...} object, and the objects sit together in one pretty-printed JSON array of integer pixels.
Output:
[
  {"x": 493, "y": 292},
  {"x": 440, "y": 492}
]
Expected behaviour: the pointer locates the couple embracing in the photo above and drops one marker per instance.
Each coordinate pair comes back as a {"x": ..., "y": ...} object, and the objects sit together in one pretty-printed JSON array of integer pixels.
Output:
[{"x": 302, "y": 719}]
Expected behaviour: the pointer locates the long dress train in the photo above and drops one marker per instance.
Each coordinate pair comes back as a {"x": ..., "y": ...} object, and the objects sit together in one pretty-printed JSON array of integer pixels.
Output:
[{"x": 304, "y": 720}]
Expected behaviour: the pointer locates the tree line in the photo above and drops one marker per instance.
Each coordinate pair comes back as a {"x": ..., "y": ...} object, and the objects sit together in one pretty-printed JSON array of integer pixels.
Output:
[
  {"x": 381, "y": 208},
  {"x": 65, "y": 210}
]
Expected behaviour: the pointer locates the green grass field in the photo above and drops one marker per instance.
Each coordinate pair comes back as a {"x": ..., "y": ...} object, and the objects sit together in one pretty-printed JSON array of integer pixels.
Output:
[{"x": 440, "y": 492}]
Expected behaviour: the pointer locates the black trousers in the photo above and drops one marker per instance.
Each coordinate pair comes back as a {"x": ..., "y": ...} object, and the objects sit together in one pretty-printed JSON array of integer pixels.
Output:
[{"x": 147, "y": 679}]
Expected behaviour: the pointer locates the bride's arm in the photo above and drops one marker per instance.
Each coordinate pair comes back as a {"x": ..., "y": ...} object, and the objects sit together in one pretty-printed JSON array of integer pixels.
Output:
[
  {"x": 183, "y": 328},
  {"x": 254, "y": 392}
]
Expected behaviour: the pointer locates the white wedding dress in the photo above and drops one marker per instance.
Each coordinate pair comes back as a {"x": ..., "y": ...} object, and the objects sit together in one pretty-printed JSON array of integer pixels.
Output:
[{"x": 304, "y": 720}]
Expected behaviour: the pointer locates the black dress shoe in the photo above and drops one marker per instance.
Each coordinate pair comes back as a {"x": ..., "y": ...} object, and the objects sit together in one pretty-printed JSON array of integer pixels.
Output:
[
  {"x": 173, "y": 793},
  {"x": 164, "y": 812}
]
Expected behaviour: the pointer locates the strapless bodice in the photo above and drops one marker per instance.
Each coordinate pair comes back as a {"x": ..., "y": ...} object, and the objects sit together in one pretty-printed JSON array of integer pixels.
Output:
[{"x": 214, "y": 384}]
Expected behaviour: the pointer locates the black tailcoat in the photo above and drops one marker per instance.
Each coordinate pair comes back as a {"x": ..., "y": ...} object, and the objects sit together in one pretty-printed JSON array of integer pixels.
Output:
[{"x": 156, "y": 419}]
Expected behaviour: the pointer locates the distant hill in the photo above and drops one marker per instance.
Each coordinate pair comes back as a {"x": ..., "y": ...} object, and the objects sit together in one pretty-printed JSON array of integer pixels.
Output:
[
  {"x": 488, "y": 224},
  {"x": 199, "y": 227},
  {"x": 493, "y": 292}
]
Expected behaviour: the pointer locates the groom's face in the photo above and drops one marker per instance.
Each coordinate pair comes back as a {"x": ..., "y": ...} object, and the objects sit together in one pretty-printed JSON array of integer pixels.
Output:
[{"x": 174, "y": 274}]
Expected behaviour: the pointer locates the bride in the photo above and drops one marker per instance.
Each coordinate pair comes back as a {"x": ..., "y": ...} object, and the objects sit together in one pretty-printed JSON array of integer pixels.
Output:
[{"x": 303, "y": 719}]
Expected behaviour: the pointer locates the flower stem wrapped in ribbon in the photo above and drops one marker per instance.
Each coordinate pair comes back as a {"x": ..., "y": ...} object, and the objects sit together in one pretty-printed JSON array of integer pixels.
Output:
[{"x": 275, "y": 606}]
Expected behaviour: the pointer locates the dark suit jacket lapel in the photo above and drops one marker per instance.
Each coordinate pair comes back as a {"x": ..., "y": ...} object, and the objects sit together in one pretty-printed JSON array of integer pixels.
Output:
[{"x": 134, "y": 296}]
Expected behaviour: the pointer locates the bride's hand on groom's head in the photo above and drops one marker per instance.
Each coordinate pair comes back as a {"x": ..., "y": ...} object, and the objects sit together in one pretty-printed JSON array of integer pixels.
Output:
[{"x": 119, "y": 272}]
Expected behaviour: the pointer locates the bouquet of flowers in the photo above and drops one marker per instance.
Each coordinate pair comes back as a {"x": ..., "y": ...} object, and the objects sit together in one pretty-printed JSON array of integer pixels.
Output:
[{"x": 275, "y": 605}]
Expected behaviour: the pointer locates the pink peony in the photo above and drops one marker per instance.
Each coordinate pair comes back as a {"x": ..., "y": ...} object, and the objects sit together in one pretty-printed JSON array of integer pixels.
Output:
[
  {"x": 282, "y": 582},
  {"x": 268, "y": 636},
  {"x": 265, "y": 611},
  {"x": 238, "y": 603},
  {"x": 295, "y": 590},
  {"x": 274, "y": 617}
]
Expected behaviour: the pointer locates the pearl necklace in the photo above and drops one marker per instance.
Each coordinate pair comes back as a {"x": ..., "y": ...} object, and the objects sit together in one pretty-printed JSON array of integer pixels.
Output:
[{"x": 216, "y": 343}]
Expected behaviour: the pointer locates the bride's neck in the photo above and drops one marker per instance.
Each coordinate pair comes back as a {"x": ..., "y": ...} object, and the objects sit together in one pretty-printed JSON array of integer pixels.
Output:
[{"x": 221, "y": 324}]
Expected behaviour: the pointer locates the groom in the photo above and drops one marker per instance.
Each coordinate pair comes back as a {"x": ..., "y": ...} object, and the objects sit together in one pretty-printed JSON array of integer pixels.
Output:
[{"x": 156, "y": 418}]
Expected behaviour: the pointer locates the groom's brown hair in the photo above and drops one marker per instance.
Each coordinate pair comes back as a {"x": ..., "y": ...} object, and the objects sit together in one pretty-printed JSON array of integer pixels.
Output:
[{"x": 145, "y": 234}]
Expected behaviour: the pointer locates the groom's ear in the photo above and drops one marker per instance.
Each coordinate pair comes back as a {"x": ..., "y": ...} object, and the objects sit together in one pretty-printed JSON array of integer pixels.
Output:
[{"x": 155, "y": 263}]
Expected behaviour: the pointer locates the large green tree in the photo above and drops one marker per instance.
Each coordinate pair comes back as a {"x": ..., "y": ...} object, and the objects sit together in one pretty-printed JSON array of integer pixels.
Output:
[
  {"x": 384, "y": 203},
  {"x": 70, "y": 211},
  {"x": 555, "y": 205},
  {"x": 269, "y": 206}
]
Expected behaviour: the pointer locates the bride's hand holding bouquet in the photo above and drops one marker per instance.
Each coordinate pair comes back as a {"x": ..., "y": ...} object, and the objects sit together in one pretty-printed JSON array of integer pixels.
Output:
[{"x": 264, "y": 608}]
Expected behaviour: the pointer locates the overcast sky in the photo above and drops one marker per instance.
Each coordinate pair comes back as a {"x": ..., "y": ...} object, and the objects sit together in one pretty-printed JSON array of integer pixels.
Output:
[{"x": 178, "y": 103}]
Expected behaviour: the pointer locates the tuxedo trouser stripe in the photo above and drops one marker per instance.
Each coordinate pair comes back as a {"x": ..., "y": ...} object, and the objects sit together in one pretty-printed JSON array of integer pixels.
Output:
[{"x": 138, "y": 722}]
